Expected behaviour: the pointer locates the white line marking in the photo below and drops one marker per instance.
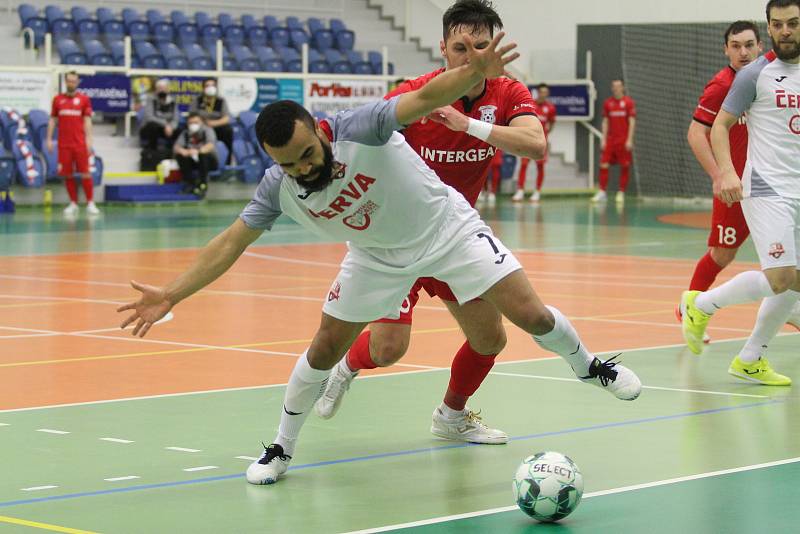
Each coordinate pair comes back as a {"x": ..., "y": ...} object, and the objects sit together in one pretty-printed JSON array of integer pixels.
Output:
[
  {"x": 116, "y": 440},
  {"x": 680, "y": 390},
  {"x": 51, "y": 431},
  {"x": 5, "y": 424},
  {"x": 248, "y": 458},
  {"x": 118, "y": 479},
  {"x": 201, "y": 468},
  {"x": 38, "y": 488},
  {"x": 675, "y": 324},
  {"x": 181, "y": 449},
  {"x": 64, "y": 299},
  {"x": 600, "y": 493}
]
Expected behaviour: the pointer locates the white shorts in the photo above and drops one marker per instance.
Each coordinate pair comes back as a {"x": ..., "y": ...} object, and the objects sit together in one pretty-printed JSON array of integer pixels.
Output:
[
  {"x": 476, "y": 262},
  {"x": 774, "y": 224}
]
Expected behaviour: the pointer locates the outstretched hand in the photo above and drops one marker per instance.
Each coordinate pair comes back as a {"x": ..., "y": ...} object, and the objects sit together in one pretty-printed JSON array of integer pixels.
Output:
[
  {"x": 491, "y": 61},
  {"x": 151, "y": 306},
  {"x": 450, "y": 117}
]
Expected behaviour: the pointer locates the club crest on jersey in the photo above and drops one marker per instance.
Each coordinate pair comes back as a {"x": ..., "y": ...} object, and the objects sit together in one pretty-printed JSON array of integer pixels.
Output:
[
  {"x": 360, "y": 220},
  {"x": 776, "y": 250},
  {"x": 76, "y": 101},
  {"x": 487, "y": 114},
  {"x": 333, "y": 294}
]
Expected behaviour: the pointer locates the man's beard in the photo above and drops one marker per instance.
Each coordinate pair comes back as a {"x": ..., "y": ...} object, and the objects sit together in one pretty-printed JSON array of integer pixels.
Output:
[
  {"x": 324, "y": 173},
  {"x": 783, "y": 54}
]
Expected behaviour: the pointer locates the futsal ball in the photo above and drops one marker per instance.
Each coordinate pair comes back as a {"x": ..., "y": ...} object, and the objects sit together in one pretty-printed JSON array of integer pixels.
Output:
[{"x": 548, "y": 486}]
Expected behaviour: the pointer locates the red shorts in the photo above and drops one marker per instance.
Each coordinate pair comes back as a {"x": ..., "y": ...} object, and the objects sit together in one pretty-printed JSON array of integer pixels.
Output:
[
  {"x": 728, "y": 226},
  {"x": 615, "y": 154},
  {"x": 432, "y": 286},
  {"x": 72, "y": 159}
]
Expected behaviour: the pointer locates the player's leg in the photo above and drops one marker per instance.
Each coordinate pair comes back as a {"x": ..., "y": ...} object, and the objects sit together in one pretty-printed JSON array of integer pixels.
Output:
[
  {"x": 624, "y": 158},
  {"x": 82, "y": 166},
  {"x": 536, "y": 196},
  {"x": 602, "y": 177},
  {"x": 486, "y": 337},
  {"x": 496, "y": 169},
  {"x": 772, "y": 223},
  {"x": 66, "y": 164},
  {"x": 306, "y": 384},
  {"x": 519, "y": 194}
]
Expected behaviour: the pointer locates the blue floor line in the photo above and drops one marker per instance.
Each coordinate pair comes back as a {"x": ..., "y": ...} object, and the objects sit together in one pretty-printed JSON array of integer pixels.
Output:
[{"x": 389, "y": 454}]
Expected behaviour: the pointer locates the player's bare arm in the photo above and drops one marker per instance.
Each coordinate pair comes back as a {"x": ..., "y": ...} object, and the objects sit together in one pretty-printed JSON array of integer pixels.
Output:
[
  {"x": 698, "y": 137},
  {"x": 524, "y": 135},
  {"x": 51, "y": 127},
  {"x": 87, "y": 128},
  {"x": 452, "y": 84},
  {"x": 730, "y": 187},
  {"x": 604, "y": 128},
  {"x": 631, "y": 130},
  {"x": 214, "y": 259}
]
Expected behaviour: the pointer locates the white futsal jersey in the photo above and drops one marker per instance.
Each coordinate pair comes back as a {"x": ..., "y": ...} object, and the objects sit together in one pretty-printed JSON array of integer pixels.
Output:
[
  {"x": 391, "y": 208},
  {"x": 769, "y": 91}
]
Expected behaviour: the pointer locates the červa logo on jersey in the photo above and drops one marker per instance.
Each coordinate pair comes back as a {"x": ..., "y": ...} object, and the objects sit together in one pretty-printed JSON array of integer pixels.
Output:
[
  {"x": 456, "y": 156},
  {"x": 786, "y": 100},
  {"x": 351, "y": 192}
]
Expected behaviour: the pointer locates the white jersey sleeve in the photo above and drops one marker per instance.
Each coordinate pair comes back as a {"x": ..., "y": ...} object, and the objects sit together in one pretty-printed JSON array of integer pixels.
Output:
[
  {"x": 371, "y": 124},
  {"x": 742, "y": 93},
  {"x": 261, "y": 212}
]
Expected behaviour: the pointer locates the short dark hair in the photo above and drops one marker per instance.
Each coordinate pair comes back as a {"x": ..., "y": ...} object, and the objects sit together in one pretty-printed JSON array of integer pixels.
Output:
[
  {"x": 209, "y": 80},
  {"x": 193, "y": 114},
  {"x": 543, "y": 85},
  {"x": 742, "y": 26},
  {"x": 780, "y": 3},
  {"x": 474, "y": 14},
  {"x": 71, "y": 73},
  {"x": 618, "y": 79},
  {"x": 275, "y": 123}
]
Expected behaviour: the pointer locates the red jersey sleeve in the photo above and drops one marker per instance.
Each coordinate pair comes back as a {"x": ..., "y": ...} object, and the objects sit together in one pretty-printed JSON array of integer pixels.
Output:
[
  {"x": 520, "y": 101},
  {"x": 631, "y": 107},
  {"x": 710, "y": 103},
  {"x": 54, "y": 107},
  {"x": 606, "y": 105},
  {"x": 87, "y": 106},
  {"x": 551, "y": 115},
  {"x": 404, "y": 87}
]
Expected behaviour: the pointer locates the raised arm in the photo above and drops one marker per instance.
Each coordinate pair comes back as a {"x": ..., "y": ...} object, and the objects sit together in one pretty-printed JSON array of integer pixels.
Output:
[{"x": 214, "y": 259}]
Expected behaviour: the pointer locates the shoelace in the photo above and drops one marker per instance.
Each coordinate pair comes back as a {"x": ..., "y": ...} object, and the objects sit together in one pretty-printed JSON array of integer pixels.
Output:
[
  {"x": 475, "y": 417},
  {"x": 605, "y": 370},
  {"x": 269, "y": 455}
]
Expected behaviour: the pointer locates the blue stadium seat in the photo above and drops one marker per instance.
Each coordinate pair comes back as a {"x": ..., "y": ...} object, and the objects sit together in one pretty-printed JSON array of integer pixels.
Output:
[
  {"x": 148, "y": 56},
  {"x": 29, "y": 18},
  {"x": 248, "y": 120},
  {"x": 257, "y": 36},
  {"x": 317, "y": 62},
  {"x": 238, "y": 129},
  {"x": 198, "y": 57},
  {"x": 97, "y": 54},
  {"x": 117, "y": 49},
  {"x": 135, "y": 25},
  {"x": 293, "y": 23},
  {"x": 86, "y": 26},
  {"x": 245, "y": 59},
  {"x": 345, "y": 39},
  {"x": 22, "y": 179},
  {"x": 222, "y": 157},
  {"x": 266, "y": 161},
  {"x": 174, "y": 56},
  {"x": 79, "y": 13},
  {"x": 321, "y": 37},
  {"x": 209, "y": 30},
  {"x": 70, "y": 53},
  {"x": 245, "y": 155},
  {"x": 248, "y": 21},
  {"x": 160, "y": 28},
  {"x": 184, "y": 27},
  {"x": 376, "y": 60},
  {"x": 270, "y": 62},
  {"x": 339, "y": 64},
  {"x": 37, "y": 123},
  {"x": 111, "y": 27},
  {"x": 228, "y": 61},
  {"x": 58, "y": 23},
  {"x": 278, "y": 35},
  {"x": 298, "y": 37},
  {"x": 358, "y": 63},
  {"x": 292, "y": 62}
]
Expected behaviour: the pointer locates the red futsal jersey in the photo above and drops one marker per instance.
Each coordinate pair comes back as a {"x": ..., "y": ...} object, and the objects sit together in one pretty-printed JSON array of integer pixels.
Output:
[
  {"x": 618, "y": 112},
  {"x": 547, "y": 115},
  {"x": 70, "y": 111},
  {"x": 461, "y": 160}
]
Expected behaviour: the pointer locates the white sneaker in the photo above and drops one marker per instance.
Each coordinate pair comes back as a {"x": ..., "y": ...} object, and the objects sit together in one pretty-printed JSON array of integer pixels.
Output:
[
  {"x": 338, "y": 383},
  {"x": 519, "y": 196},
  {"x": 620, "y": 198},
  {"x": 482, "y": 196},
  {"x": 600, "y": 196},
  {"x": 614, "y": 378},
  {"x": 267, "y": 469},
  {"x": 469, "y": 427},
  {"x": 71, "y": 210},
  {"x": 794, "y": 317},
  {"x": 535, "y": 197},
  {"x": 92, "y": 209},
  {"x": 492, "y": 199}
]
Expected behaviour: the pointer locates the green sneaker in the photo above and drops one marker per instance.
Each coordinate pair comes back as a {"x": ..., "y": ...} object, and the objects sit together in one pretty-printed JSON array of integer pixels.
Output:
[
  {"x": 759, "y": 372},
  {"x": 693, "y": 322}
]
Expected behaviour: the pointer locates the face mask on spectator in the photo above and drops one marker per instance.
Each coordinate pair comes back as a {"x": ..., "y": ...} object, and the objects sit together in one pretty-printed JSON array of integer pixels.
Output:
[
  {"x": 211, "y": 91},
  {"x": 162, "y": 95},
  {"x": 194, "y": 128}
]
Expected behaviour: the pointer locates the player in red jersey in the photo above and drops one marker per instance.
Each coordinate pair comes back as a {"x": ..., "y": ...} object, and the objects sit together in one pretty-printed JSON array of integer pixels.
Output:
[
  {"x": 547, "y": 116},
  {"x": 458, "y": 142},
  {"x": 619, "y": 125},
  {"x": 72, "y": 111},
  {"x": 493, "y": 176}
]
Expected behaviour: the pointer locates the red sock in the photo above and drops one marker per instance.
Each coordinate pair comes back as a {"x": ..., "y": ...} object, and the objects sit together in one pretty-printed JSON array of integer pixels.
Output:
[
  {"x": 72, "y": 189},
  {"x": 358, "y": 356},
  {"x": 88, "y": 189},
  {"x": 523, "y": 171},
  {"x": 539, "y": 175},
  {"x": 705, "y": 272},
  {"x": 624, "y": 176},
  {"x": 603, "y": 178},
  {"x": 466, "y": 375}
]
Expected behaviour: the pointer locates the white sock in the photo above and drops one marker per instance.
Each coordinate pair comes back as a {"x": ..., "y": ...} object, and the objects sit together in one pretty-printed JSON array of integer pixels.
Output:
[
  {"x": 305, "y": 386},
  {"x": 748, "y": 286},
  {"x": 564, "y": 341},
  {"x": 771, "y": 316},
  {"x": 450, "y": 413}
]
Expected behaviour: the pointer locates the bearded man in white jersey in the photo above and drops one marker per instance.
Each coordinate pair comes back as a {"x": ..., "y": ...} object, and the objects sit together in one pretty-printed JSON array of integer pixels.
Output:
[
  {"x": 354, "y": 178},
  {"x": 769, "y": 91}
]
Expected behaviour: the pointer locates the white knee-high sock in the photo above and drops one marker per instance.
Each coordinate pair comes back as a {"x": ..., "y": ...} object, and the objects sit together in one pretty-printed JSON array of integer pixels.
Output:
[
  {"x": 748, "y": 286},
  {"x": 771, "y": 316},
  {"x": 305, "y": 386},
  {"x": 564, "y": 341}
]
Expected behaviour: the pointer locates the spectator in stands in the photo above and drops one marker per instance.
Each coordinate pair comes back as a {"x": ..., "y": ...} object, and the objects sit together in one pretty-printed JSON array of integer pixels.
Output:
[
  {"x": 196, "y": 153},
  {"x": 72, "y": 111},
  {"x": 214, "y": 110},
  {"x": 160, "y": 120}
]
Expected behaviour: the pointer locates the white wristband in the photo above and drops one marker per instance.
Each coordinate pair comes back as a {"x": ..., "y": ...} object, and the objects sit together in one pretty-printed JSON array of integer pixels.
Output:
[{"x": 481, "y": 130}]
